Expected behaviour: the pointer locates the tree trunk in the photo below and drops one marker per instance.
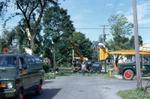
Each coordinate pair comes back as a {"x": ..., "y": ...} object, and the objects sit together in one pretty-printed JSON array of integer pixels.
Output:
[
  {"x": 32, "y": 44},
  {"x": 31, "y": 38}
]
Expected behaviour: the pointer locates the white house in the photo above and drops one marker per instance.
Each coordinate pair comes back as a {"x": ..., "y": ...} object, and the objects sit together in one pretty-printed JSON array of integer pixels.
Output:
[{"x": 145, "y": 46}]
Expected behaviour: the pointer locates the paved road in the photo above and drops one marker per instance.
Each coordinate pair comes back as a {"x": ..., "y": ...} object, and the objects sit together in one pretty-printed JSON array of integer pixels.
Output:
[{"x": 83, "y": 87}]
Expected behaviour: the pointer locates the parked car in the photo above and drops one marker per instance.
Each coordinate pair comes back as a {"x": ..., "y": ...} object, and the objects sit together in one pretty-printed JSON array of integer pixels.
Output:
[
  {"x": 18, "y": 73},
  {"x": 128, "y": 70},
  {"x": 96, "y": 66}
]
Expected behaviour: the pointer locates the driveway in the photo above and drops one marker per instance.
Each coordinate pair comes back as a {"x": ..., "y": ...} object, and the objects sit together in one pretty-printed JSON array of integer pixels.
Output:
[{"x": 83, "y": 87}]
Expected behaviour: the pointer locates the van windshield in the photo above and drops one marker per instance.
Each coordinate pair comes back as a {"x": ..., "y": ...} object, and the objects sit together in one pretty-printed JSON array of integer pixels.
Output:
[{"x": 8, "y": 61}]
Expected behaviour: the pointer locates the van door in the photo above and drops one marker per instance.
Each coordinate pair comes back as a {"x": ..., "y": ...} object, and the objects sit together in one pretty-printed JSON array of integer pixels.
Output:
[
  {"x": 34, "y": 70},
  {"x": 24, "y": 72}
]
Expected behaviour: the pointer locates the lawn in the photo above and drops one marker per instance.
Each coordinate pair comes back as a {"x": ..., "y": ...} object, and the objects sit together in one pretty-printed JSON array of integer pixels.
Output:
[
  {"x": 134, "y": 94},
  {"x": 61, "y": 72},
  {"x": 69, "y": 71}
]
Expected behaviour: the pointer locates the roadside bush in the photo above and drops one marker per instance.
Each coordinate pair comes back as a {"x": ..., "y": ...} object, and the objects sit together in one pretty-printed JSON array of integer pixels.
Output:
[
  {"x": 50, "y": 75},
  {"x": 46, "y": 68}
]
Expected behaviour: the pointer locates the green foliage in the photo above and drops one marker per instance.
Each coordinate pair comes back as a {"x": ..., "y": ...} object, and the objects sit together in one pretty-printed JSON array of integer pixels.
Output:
[
  {"x": 16, "y": 34},
  {"x": 95, "y": 50},
  {"x": 31, "y": 13},
  {"x": 46, "y": 67},
  {"x": 64, "y": 71},
  {"x": 57, "y": 24},
  {"x": 132, "y": 42},
  {"x": 3, "y": 44},
  {"x": 49, "y": 75},
  {"x": 82, "y": 44},
  {"x": 58, "y": 29},
  {"x": 46, "y": 28},
  {"x": 120, "y": 30},
  {"x": 6, "y": 39},
  {"x": 3, "y": 6}
]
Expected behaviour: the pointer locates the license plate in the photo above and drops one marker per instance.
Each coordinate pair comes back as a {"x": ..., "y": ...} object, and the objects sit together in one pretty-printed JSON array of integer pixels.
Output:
[{"x": 2, "y": 85}]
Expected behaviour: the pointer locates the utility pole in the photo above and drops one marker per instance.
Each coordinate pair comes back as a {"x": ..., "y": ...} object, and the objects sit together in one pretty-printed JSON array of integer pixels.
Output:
[
  {"x": 137, "y": 55},
  {"x": 104, "y": 34},
  {"x": 104, "y": 42},
  {"x": 54, "y": 58},
  {"x": 72, "y": 57}
]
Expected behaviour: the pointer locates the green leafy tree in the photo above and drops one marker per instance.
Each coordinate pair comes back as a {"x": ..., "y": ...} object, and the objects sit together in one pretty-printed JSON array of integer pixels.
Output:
[
  {"x": 58, "y": 29},
  {"x": 32, "y": 13},
  {"x": 16, "y": 34},
  {"x": 132, "y": 45},
  {"x": 95, "y": 49},
  {"x": 3, "y": 6},
  {"x": 82, "y": 44},
  {"x": 3, "y": 44},
  {"x": 120, "y": 30},
  {"x": 6, "y": 39}
]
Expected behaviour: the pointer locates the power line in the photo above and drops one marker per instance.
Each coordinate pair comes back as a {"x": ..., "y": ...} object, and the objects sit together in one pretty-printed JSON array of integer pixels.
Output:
[
  {"x": 144, "y": 27},
  {"x": 97, "y": 28},
  {"x": 86, "y": 28},
  {"x": 93, "y": 28}
]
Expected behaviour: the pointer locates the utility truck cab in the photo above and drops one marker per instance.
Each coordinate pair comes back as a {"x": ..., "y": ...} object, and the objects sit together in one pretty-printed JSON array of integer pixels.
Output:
[{"x": 18, "y": 73}]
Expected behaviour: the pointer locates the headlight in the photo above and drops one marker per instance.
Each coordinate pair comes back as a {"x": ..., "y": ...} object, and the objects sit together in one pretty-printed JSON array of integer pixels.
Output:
[{"x": 9, "y": 85}]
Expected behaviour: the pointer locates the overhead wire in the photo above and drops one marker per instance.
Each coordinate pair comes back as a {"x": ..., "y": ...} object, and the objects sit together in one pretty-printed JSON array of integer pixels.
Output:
[
  {"x": 86, "y": 28},
  {"x": 92, "y": 28},
  {"x": 105, "y": 28},
  {"x": 100, "y": 27}
]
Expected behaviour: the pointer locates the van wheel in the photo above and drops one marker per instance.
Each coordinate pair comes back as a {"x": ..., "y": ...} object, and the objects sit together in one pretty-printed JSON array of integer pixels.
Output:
[
  {"x": 20, "y": 95},
  {"x": 128, "y": 74},
  {"x": 39, "y": 89}
]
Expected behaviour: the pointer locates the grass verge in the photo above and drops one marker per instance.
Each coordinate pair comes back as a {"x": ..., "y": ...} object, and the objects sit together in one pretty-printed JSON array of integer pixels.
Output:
[
  {"x": 134, "y": 94},
  {"x": 64, "y": 72},
  {"x": 61, "y": 72},
  {"x": 49, "y": 75},
  {"x": 68, "y": 71}
]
